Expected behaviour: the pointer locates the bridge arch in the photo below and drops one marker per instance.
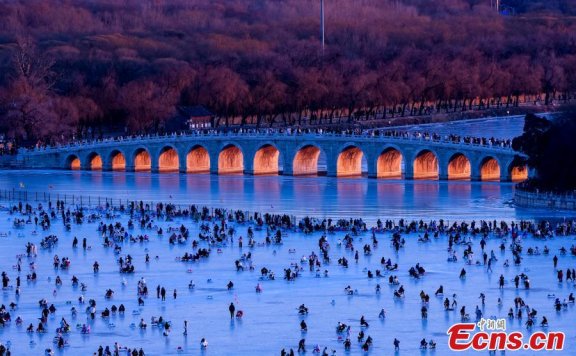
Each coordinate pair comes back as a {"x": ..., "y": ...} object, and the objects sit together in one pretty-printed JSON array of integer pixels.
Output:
[
  {"x": 142, "y": 160},
  {"x": 230, "y": 159},
  {"x": 267, "y": 159},
  {"x": 307, "y": 160},
  {"x": 426, "y": 165},
  {"x": 490, "y": 169},
  {"x": 94, "y": 161},
  {"x": 72, "y": 162},
  {"x": 168, "y": 159},
  {"x": 389, "y": 163},
  {"x": 349, "y": 161},
  {"x": 117, "y": 160},
  {"x": 459, "y": 167},
  {"x": 198, "y": 160},
  {"x": 518, "y": 170}
]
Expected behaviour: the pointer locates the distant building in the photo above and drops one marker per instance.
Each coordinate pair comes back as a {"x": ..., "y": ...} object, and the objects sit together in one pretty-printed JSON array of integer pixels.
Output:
[{"x": 190, "y": 117}]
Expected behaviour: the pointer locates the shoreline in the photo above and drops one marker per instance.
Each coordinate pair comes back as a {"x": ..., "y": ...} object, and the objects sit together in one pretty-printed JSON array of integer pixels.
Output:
[{"x": 105, "y": 204}]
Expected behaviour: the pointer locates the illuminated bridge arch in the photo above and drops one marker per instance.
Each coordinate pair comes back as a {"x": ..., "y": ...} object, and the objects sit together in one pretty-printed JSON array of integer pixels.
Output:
[
  {"x": 349, "y": 162},
  {"x": 307, "y": 160},
  {"x": 198, "y": 160},
  {"x": 230, "y": 160},
  {"x": 142, "y": 160},
  {"x": 168, "y": 160},
  {"x": 267, "y": 160},
  {"x": 117, "y": 160},
  {"x": 518, "y": 171},
  {"x": 93, "y": 161},
  {"x": 459, "y": 167},
  {"x": 389, "y": 163},
  {"x": 490, "y": 169},
  {"x": 73, "y": 162},
  {"x": 426, "y": 165}
]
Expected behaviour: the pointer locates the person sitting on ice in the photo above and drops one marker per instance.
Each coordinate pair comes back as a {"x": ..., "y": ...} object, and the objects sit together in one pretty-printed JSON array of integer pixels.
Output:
[
  {"x": 203, "y": 343},
  {"x": 85, "y": 329},
  {"x": 382, "y": 314},
  {"x": 166, "y": 329},
  {"x": 423, "y": 344},
  {"x": 61, "y": 342}
]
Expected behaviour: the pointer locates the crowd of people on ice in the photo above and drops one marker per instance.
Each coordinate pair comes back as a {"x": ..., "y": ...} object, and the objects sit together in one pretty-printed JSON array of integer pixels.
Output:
[{"x": 465, "y": 241}]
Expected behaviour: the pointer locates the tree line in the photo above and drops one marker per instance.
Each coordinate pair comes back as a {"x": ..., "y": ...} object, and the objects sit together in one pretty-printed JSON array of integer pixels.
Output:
[{"x": 81, "y": 68}]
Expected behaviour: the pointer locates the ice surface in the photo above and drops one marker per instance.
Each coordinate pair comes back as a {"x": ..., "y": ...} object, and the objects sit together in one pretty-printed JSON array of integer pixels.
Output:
[
  {"x": 271, "y": 321},
  {"x": 300, "y": 196}
]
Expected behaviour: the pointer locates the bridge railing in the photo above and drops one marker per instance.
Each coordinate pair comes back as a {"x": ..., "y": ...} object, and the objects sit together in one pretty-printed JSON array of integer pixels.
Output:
[{"x": 402, "y": 136}]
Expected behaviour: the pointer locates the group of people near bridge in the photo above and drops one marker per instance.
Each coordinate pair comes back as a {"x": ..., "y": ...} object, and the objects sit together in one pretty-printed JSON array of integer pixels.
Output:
[{"x": 367, "y": 133}]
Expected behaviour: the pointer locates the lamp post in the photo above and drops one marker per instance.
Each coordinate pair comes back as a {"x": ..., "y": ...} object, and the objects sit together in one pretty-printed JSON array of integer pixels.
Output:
[{"x": 322, "y": 23}]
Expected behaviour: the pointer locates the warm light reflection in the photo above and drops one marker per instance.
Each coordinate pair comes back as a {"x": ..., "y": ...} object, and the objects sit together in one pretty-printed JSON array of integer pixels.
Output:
[
  {"x": 519, "y": 173},
  {"x": 96, "y": 163},
  {"x": 459, "y": 167},
  {"x": 306, "y": 161},
  {"x": 490, "y": 170},
  {"x": 142, "y": 161},
  {"x": 75, "y": 163},
  {"x": 198, "y": 160},
  {"x": 230, "y": 160},
  {"x": 118, "y": 162},
  {"x": 389, "y": 164},
  {"x": 350, "y": 162},
  {"x": 168, "y": 161},
  {"x": 426, "y": 166},
  {"x": 266, "y": 160}
]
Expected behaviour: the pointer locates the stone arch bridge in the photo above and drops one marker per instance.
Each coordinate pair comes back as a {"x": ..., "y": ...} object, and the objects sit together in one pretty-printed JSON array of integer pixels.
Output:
[{"x": 337, "y": 155}]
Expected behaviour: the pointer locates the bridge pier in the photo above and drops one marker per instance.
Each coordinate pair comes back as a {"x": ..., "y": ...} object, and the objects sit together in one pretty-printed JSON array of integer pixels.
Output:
[
  {"x": 214, "y": 154},
  {"x": 331, "y": 170},
  {"x": 288, "y": 168},
  {"x": 442, "y": 170},
  {"x": 372, "y": 165},
  {"x": 182, "y": 161},
  {"x": 248, "y": 163},
  {"x": 408, "y": 170}
]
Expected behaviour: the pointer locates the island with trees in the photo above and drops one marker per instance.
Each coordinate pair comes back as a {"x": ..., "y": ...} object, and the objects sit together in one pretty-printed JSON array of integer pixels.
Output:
[{"x": 550, "y": 147}]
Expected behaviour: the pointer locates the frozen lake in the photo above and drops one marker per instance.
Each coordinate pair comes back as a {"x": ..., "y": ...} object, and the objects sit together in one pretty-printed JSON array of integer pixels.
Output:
[
  {"x": 271, "y": 321},
  {"x": 319, "y": 196}
]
